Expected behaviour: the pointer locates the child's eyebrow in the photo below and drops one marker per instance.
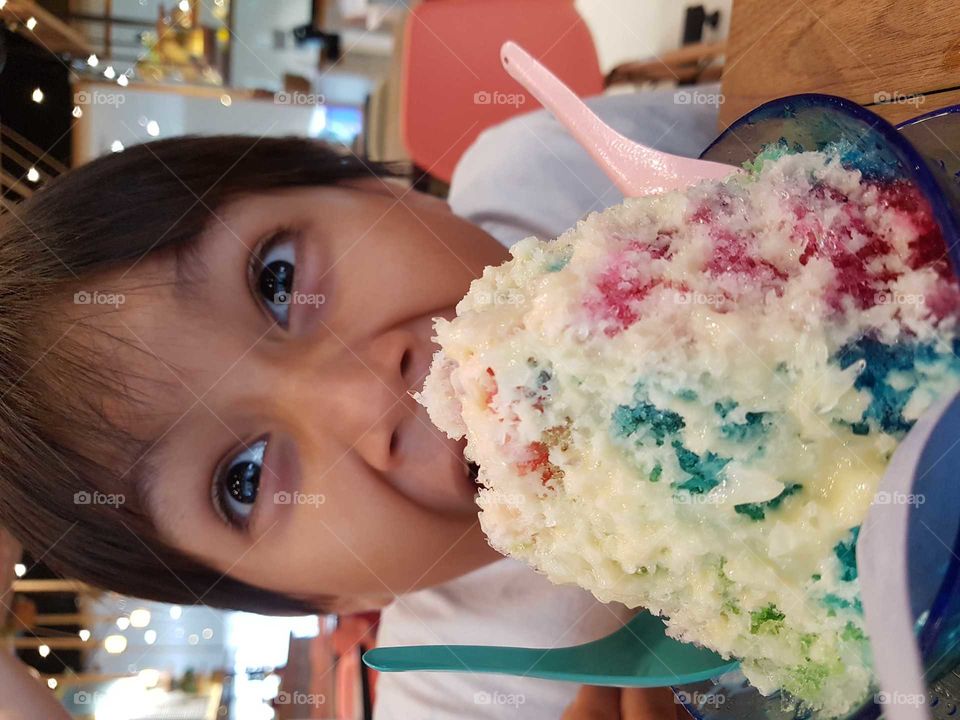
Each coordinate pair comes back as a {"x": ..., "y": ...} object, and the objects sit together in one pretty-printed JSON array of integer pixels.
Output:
[
  {"x": 145, "y": 478},
  {"x": 191, "y": 271}
]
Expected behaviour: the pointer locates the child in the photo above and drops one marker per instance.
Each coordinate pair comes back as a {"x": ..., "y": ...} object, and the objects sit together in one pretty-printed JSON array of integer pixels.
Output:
[{"x": 210, "y": 344}]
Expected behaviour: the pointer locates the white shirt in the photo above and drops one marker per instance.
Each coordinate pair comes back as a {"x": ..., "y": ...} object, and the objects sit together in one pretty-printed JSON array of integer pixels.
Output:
[{"x": 524, "y": 177}]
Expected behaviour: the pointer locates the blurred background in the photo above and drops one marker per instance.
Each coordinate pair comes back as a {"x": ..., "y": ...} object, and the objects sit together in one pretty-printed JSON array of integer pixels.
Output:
[{"x": 380, "y": 78}]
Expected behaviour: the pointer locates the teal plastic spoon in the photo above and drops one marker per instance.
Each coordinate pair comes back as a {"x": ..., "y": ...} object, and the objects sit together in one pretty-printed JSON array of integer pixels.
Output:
[{"x": 637, "y": 655}]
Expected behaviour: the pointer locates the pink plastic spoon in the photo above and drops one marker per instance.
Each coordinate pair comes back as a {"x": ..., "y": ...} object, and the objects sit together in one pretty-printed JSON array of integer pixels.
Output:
[{"x": 636, "y": 169}]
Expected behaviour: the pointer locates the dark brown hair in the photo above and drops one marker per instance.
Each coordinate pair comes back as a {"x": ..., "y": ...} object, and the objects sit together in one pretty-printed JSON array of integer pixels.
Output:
[{"x": 57, "y": 449}]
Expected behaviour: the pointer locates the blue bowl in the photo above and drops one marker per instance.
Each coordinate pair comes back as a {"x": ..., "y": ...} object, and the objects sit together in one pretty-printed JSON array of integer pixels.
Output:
[{"x": 923, "y": 151}]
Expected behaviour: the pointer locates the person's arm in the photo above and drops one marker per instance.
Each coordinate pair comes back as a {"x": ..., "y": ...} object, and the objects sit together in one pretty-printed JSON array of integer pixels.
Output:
[
  {"x": 605, "y": 703},
  {"x": 21, "y": 694}
]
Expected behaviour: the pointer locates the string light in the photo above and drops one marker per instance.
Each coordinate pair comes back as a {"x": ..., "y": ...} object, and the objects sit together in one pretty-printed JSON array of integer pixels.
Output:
[
  {"x": 19, "y": 569},
  {"x": 153, "y": 128},
  {"x": 116, "y": 146},
  {"x": 44, "y": 650},
  {"x": 123, "y": 623},
  {"x": 175, "y": 612},
  {"x": 31, "y": 23},
  {"x": 77, "y": 112},
  {"x": 52, "y": 683},
  {"x": 193, "y": 639},
  {"x": 33, "y": 175},
  {"x": 93, "y": 61},
  {"x": 109, "y": 73},
  {"x": 207, "y": 633},
  {"x": 3, "y": 4},
  {"x": 150, "y": 637},
  {"x": 149, "y": 677},
  {"x": 84, "y": 635},
  {"x": 184, "y": 6},
  {"x": 115, "y": 644},
  {"x": 226, "y": 100},
  {"x": 140, "y": 618},
  {"x": 123, "y": 81},
  {"x": 37, "y": 95}
]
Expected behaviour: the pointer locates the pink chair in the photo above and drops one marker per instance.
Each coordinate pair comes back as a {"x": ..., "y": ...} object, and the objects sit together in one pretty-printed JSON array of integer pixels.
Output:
[{"x": 453, "y": 86}]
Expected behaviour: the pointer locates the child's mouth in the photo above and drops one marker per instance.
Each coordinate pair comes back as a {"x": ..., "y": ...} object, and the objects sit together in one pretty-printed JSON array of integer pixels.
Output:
[{"x": 473, "y": 471}]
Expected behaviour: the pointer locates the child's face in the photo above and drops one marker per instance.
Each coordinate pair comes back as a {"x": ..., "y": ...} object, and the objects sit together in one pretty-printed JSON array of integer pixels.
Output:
[{"x": 357, "y": 495}]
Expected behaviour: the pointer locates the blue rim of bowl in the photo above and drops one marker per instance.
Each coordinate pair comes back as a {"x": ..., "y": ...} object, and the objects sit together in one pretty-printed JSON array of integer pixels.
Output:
[
  {"x": 914, "y": 166},
  {"x": 948, "y": 110}
]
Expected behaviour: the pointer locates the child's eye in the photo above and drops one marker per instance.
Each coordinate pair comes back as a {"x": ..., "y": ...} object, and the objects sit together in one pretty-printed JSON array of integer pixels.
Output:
[
  {"x": 237, "y": 481},
  {"x": 273, "y": 276}
]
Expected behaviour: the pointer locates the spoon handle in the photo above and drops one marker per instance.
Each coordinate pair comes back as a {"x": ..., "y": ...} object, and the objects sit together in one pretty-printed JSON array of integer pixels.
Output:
[
  {"x": 456, "y": 658},
  {"x": 604, "y": 144},
  {"x": 634, "y": 168}
]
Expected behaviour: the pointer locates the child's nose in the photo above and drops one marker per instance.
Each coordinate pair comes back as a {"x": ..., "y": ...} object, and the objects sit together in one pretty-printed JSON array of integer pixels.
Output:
[{"x": 369, "y": 396}]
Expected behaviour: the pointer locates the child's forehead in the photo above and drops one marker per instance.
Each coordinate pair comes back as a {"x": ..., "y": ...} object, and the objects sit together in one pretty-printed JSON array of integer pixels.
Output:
[{"x": 143, "y": 333}]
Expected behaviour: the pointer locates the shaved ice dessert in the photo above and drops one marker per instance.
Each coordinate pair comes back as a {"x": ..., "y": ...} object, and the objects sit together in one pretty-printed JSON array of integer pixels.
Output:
[{"x": 686, "y": 402}]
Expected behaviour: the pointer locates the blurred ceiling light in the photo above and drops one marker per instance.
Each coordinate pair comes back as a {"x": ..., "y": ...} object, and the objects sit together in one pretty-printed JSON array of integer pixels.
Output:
[
  {"x": 140, "y": 618},
  {"x": 149, "y": 677},
  {"x": 115, "y": 644}
]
